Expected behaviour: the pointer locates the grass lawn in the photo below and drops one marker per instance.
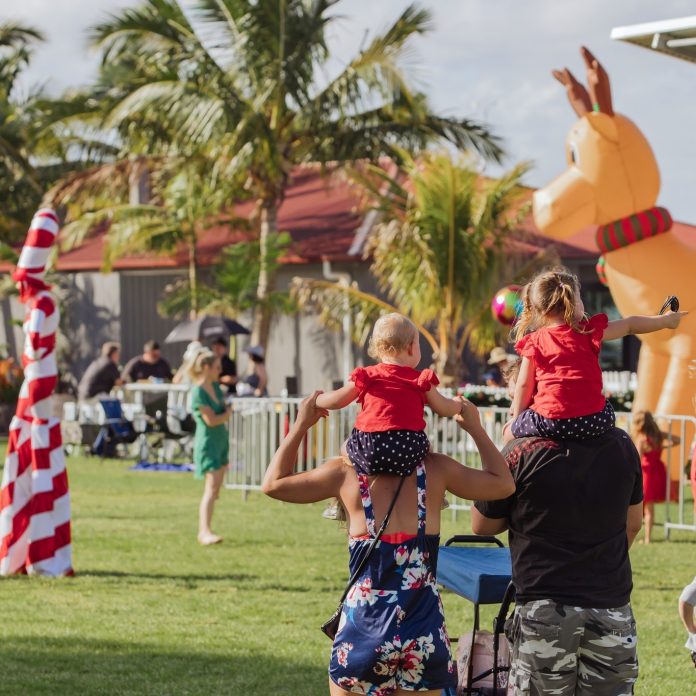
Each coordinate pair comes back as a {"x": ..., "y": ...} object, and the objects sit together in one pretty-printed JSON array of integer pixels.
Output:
[{"x": 151, "y": 612}]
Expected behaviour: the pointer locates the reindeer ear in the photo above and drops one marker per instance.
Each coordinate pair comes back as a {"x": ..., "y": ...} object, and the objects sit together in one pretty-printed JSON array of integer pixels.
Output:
[
  {"x": 605, "y": 125},
  {"x": 598, "y": 83}
]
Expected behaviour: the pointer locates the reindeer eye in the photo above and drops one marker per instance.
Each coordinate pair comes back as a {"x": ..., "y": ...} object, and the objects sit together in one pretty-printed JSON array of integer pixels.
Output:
[{"x": 573, "y": 154}]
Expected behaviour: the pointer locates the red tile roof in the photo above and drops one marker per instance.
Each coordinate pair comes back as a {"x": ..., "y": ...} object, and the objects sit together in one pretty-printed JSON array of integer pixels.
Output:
[{"x": 322, "y": 215}]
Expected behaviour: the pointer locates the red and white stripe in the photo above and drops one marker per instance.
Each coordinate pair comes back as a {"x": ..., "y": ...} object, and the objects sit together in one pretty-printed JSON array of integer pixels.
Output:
[{"x": 34, "y": 498}]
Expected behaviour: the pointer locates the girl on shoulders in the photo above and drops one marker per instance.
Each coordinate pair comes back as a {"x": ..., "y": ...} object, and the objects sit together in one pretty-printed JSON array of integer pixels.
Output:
[
  {"x": 389, "y": 434},
  {"x": 559, "y": 389}
]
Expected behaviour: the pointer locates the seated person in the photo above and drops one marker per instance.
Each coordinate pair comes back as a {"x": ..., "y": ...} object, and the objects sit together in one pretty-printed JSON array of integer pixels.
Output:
[
  {"x": 149, "y": 365},
  {"x": 102, "y": 374},
  {"x": 228, "y": 368}
]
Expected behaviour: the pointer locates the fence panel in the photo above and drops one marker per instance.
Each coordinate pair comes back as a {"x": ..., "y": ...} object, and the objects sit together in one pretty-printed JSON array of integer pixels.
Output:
[{"x": 257, "y": 426}]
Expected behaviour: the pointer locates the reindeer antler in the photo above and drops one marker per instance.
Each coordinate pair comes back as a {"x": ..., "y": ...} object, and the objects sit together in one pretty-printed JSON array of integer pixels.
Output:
[
  {"x": 598, "y": 82},
  {"x": 577, "y": 94}
]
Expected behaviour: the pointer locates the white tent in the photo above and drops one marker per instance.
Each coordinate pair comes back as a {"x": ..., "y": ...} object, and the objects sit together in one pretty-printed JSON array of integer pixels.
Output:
[{"x": 675, "y": 37}]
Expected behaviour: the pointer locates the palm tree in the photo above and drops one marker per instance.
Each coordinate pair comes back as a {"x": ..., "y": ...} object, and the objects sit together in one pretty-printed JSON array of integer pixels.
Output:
[
  {"x": 183, "y": 199},
  {"x": 242, "y": 82},
  {"x": 438, "y": 256}
]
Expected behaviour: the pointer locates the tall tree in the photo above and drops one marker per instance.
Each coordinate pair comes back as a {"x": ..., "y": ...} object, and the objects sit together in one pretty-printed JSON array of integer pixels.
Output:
[
  {"x": 244, "y": 83},
  {"x": 446, "y": 240}
]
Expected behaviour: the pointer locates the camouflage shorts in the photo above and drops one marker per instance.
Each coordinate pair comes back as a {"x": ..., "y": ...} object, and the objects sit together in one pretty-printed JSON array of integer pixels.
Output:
[{"x": 562, "y": 650}]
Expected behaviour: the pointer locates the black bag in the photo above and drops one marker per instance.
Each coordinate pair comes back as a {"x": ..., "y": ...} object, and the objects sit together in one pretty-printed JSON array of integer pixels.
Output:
[{"x": 330, "y": 627}]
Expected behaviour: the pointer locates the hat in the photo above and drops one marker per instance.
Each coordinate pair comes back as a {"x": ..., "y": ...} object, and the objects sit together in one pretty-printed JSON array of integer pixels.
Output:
[
  {"x": 256, "y": 351},
  {"x": 192, "y": 349},
  {"x": 31, "y": 267},
  {"x": 499, "y": 355}
]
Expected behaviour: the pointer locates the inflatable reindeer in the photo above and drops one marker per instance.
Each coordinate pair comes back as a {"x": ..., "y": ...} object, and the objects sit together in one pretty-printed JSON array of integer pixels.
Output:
[{"x": 613, "y": 181}]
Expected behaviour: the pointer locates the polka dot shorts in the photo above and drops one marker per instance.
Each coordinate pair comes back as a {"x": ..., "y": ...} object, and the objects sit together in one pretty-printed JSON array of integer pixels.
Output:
[
  {"x": 531, "y": 424},
  {"x": 388, "y": 452}
]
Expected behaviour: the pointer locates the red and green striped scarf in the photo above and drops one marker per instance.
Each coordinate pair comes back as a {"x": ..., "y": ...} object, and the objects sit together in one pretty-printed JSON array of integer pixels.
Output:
[{"x": 634, "y": 228}]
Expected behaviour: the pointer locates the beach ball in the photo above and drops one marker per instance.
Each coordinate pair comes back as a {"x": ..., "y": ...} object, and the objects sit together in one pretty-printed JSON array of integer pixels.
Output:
[
  {"x": 507, "y": 304},
  {"x": 601, "y": 270}
]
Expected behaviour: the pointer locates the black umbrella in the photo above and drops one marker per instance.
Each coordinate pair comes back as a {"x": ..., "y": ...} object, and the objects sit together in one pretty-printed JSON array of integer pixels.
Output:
[{"x": 204, "y": 329}]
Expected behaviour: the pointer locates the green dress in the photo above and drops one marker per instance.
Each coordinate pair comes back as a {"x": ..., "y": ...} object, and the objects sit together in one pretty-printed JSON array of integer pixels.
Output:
[{"x": 211, "y": 446}]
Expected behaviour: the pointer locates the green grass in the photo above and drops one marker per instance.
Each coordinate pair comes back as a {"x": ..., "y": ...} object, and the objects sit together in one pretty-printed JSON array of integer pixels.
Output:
[{"x": 151, "y": 612}]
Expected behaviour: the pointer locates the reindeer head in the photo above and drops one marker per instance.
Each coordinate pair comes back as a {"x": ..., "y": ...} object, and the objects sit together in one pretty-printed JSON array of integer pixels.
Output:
[{"x": 612, "y": 172}]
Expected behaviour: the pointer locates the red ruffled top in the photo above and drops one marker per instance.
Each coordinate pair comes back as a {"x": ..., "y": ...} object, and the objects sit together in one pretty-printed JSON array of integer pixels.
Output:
[
  {"x": 392, "y": 397},
  {"x": 568, "y": 375}
]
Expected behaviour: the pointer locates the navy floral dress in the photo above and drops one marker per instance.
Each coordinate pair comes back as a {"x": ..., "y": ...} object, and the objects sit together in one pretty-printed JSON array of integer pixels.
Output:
[{"x": 392, "y": 631}]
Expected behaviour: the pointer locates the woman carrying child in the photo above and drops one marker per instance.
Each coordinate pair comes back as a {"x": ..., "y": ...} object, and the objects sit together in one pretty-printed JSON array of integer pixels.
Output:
[{"x": 559, "y": 388}]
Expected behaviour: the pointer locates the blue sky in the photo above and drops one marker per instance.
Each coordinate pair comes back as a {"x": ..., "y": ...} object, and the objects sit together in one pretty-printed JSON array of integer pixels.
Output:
[{"x": 486, "y": 59}]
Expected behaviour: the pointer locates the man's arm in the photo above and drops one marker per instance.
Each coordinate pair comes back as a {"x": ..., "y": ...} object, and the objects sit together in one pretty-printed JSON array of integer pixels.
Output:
[
  {"x": 487, "y": 526},
  {"x": 634, "y": 522}
]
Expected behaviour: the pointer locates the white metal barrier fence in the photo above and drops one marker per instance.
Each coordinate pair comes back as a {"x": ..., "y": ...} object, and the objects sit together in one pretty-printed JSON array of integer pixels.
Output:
[{"x": 257, "y": 426}]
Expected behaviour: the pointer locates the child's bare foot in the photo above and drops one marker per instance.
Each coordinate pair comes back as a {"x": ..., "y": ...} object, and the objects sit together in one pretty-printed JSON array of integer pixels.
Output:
[{"x": 208, "y": 539}]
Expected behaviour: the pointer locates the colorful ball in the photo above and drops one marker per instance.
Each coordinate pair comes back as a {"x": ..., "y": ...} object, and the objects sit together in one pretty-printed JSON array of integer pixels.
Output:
[
  {"x": 507, "y": 304},
  {"x": 601, "y": 270}
]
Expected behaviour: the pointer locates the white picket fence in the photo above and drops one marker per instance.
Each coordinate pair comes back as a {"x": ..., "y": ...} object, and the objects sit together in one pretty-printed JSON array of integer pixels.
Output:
[{"x": 257, "y": 426}]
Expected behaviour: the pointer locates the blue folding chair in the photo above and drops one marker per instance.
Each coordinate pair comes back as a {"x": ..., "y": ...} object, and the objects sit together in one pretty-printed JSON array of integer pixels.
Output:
[
  {"x": 483, "y": 576},
  {"x": 115, "y": 429}
]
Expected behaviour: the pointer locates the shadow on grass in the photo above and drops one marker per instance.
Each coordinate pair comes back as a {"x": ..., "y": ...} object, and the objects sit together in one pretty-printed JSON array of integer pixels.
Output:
[
  {"x": 189, "y": 577},
  {"x": 83, "y": 666}
]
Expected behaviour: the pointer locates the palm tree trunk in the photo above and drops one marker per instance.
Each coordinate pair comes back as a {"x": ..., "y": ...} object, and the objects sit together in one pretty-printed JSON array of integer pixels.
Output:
[
  {"x": 266, "y": 283},
  {"x": 193, "y": 275}
]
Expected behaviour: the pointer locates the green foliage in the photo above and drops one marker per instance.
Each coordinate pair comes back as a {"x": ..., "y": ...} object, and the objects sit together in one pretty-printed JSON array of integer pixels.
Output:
[{"x": 446, "y": 243}]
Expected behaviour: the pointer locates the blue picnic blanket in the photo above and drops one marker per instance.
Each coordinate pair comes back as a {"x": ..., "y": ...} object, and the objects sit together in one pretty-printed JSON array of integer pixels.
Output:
[
  {"x": 479, "y": 574},
  {"x": 160, "y": 466}
]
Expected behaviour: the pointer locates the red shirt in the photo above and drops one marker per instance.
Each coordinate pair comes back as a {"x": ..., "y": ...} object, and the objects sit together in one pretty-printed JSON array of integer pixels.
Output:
[
  {"x": 392, "y": 397},
  {"x": 566, "y": 368}
]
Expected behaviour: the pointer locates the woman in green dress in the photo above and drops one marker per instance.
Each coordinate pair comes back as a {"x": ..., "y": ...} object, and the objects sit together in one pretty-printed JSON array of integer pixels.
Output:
[{"x": 211, "y": 443}]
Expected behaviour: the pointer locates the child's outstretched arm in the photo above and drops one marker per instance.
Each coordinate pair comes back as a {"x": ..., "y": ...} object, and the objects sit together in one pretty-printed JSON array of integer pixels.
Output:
[
  {"x": 441, "y": 404},
  {"x": 524, "y": 387},
  {"x": 642, "y": 325},
  {"x": 339, "y": 398}
]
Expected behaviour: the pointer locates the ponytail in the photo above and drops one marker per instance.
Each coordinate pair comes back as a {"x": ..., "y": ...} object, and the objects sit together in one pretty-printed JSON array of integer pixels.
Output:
[{"x": 550, "y": 293}]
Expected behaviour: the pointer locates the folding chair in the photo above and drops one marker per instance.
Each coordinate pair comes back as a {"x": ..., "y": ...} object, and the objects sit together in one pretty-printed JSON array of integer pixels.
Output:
[
  {"x": 483, "y": 576},
  {"x": 115, "y": 430}
]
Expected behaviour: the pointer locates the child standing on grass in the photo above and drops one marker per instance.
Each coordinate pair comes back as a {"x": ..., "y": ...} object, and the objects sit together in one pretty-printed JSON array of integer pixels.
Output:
[
  {"x": 687, "y": 602},
  {"x": 649, "y": 441},
  {"x": 559, "y": 389},
  {"x": 389, "y": 434}
]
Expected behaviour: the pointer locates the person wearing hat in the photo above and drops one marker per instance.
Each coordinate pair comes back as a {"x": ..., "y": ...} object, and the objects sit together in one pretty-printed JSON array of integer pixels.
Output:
[
  {"x": 499, "y": 359},
  {"x": 256, "y": 380}
]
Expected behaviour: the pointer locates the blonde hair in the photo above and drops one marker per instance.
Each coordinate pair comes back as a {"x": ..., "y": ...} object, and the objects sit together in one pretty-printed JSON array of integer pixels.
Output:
[
  {"x": 512, "y": 370},
  {"x": 203, "y": 359},
  {"x": 549, "y": 294},
  {"x": 644, "y": 423},
  {"x": 392, "y": 334}
]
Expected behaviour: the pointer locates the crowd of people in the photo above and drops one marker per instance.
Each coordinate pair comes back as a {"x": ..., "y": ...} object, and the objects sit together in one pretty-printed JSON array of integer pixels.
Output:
[{"x": 569, "y": 488}]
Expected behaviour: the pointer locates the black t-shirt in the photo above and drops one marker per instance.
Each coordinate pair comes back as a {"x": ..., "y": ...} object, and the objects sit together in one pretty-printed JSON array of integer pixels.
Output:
[
  {"x": 228, "y": 368},
  {"x": 99, "y": 378},
  {"x": 137, "y": 369},
  {"x": 567, "y": 518}
]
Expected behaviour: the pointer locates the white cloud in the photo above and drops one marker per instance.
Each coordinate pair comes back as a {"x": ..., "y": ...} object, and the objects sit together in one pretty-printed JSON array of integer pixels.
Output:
[{"x": 485, "y": 59}]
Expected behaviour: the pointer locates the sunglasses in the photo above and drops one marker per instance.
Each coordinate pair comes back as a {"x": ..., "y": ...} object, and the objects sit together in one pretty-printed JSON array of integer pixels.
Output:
[{"x": 671, "y": 303}]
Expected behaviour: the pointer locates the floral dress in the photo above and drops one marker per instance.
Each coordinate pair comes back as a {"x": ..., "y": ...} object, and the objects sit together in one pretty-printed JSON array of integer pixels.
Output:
[{"x": 392, "y": 631}]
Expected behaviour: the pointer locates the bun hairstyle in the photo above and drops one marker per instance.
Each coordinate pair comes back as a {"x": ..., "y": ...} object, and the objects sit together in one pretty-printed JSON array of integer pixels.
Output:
[
  {"x": 391, "y": 334},
  {"x": 203, "y": 359},
  {"x": 551, "y": 293},
  {"x": 644, "y": 424}
]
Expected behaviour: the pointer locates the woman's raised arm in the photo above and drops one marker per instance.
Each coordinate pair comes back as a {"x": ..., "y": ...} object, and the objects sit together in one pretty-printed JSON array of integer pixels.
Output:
[
  {"x": 494, "y": 481},
  {"x": 281, "y": 481}
]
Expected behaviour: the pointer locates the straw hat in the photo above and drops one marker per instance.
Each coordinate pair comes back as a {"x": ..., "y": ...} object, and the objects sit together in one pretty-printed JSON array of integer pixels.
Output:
[
  {"x": 256, "y": 351},
  {"x": 499, "y": 355}
]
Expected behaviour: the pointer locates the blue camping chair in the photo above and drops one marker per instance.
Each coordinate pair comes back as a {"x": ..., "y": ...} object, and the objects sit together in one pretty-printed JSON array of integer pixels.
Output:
[
  {"x": 115, "y": 430},
  {"x": 483, "y": 576}
]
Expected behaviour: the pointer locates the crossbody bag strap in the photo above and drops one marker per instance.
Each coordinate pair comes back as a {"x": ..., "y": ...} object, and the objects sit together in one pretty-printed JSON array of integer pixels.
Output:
[{"x": 373, "y": 543}]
